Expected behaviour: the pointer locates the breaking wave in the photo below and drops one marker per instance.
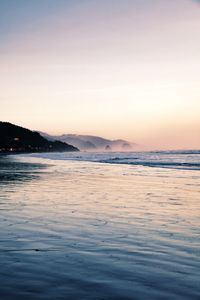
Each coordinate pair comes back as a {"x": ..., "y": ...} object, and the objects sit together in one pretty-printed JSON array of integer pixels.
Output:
[{"x": 187, "y": 159}]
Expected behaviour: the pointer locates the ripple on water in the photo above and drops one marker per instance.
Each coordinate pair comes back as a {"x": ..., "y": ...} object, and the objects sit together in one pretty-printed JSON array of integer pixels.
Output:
[{"x": 85, "y": 231}]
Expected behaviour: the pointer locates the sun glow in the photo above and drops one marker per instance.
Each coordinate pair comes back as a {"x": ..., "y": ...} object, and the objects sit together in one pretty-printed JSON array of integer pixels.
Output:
[{"x": 129, "y": 70}]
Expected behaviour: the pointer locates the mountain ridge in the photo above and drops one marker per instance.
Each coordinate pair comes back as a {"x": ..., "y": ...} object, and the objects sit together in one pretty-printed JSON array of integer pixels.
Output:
[{"x": 92, "y": 142}]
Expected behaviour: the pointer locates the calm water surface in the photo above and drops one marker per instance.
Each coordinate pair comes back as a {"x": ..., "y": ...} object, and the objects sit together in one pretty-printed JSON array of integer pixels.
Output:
[{"x": 91, "y": 230}]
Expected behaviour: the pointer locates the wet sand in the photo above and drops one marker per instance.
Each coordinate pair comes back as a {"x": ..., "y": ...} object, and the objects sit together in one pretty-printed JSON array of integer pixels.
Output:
[{"x": 82, "y": 230}]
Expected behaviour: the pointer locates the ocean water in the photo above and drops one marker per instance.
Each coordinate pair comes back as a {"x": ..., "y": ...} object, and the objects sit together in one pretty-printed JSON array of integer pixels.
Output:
[
  {"x": 188, "y": 159},
  {"x": 100, "y": 226}
]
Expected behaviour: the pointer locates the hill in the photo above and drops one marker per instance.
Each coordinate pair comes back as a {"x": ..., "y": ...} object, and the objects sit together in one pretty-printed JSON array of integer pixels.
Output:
[
  {"x": 92, "y": 143},
  {"x": 16, "y": 139}
]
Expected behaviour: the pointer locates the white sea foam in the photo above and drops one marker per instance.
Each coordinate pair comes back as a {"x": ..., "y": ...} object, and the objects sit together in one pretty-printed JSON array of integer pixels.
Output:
[{"x": 189, "y": 159}]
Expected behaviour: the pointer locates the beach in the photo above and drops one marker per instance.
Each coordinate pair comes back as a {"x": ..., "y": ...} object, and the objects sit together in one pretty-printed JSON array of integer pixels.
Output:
[{"x": 75, "y": 229}]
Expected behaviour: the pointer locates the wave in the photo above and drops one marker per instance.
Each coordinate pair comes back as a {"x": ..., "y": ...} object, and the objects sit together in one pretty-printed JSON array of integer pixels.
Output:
[
  {"x": 189, "y": 159},
  {"x": 182, "y": 152},
  {"x": 174, "y": 165}
]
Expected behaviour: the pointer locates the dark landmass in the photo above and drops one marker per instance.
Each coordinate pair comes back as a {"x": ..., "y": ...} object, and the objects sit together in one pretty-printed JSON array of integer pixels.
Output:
[
  {"x": 16, "y": 139},
  {"x": 108, "y": 148},
  {"x": 92, "y": 143}
]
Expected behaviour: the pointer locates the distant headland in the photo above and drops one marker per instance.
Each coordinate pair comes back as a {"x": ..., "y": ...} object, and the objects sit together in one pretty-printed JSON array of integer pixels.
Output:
[
  {"x": 92, "y": 143},
  {"x": 16, "y": 139}
]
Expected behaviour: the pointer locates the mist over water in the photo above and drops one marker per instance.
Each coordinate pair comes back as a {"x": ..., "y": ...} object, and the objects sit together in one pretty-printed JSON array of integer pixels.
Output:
[{"x": 77, "y": 229}]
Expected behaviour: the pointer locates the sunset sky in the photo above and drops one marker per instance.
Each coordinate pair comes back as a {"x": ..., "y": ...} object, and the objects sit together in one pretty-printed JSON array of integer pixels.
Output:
[{"x": 116, "y": 68}]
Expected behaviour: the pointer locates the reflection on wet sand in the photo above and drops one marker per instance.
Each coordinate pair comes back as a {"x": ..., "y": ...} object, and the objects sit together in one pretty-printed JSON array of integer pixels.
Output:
[
  {"x": 16, "y": 171},
  {"x": 93, "y": 231}
]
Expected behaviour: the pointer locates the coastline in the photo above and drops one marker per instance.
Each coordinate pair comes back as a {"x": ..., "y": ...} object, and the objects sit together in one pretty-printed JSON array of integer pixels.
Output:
[
  {"x": 34, "y": 152},
  {"x": 85, "y": 230}
]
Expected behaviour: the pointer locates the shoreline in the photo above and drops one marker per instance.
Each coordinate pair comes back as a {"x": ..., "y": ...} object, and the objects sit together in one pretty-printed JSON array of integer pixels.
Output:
[
  {"x": 171, "y": 161},
  {"x": 79, "y": 230}
]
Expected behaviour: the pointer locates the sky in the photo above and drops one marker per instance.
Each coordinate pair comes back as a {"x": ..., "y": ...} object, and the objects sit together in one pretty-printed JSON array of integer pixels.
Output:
[{"x": 115, "y": 68}]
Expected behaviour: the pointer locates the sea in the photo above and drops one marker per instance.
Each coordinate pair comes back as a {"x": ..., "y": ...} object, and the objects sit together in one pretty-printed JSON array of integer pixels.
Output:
[
  {"x": 106, "y": 226},
  {"x": 184, "y": 160}
]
